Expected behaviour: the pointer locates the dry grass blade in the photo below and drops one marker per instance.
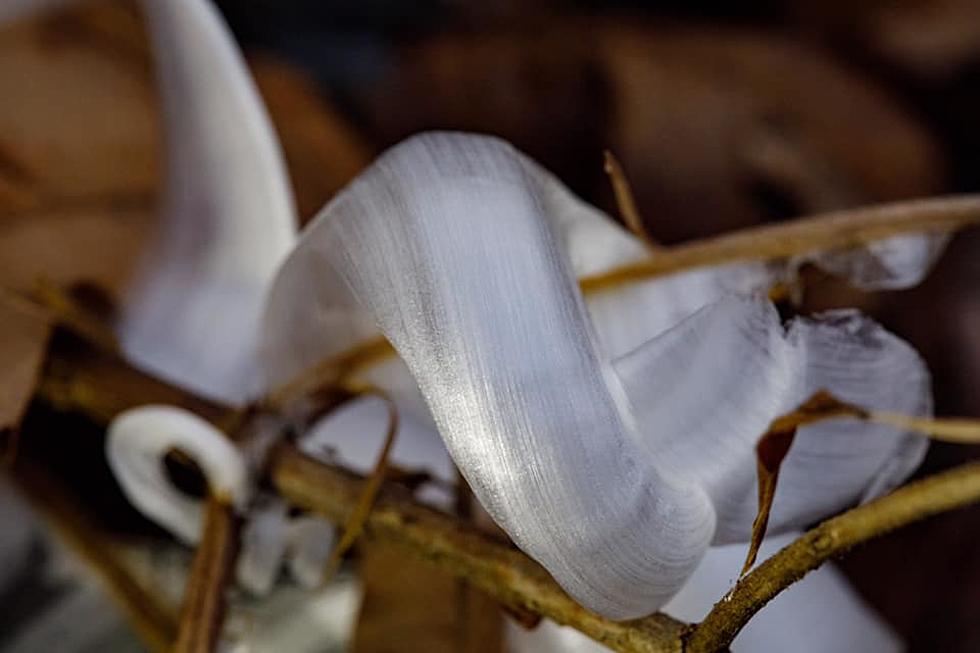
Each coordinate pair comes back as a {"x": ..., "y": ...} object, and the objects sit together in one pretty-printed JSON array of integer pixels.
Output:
[
  {"x": 354, "y": 525},
  {"x": 202, "y": 615},
  {"x": 774, "y": 445},
  {"x": 772, "y": 448},
  {"x": 624, "y": 198}
]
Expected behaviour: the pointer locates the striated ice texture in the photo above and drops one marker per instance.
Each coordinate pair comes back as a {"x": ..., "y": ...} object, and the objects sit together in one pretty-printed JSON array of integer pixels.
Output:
[
  {"x": 228, "y": 217},
  {"x": 610, "y": 445}
]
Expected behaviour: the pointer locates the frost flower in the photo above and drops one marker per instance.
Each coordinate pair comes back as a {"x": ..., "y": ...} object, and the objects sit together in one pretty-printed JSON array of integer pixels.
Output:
[
  {"x": 612, "y": 461},
  {"x": 610, "y": 434}
]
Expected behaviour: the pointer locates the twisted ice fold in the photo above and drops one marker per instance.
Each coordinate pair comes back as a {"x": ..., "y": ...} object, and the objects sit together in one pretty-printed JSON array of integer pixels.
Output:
[{"x": 613, "y": 439}]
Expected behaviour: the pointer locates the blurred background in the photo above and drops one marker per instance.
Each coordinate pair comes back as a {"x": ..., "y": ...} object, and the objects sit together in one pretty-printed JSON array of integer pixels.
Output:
[{"x": 724, "y": 115}]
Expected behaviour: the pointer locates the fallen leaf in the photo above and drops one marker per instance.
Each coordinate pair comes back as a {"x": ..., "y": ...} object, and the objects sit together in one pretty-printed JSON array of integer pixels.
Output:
[
  {"x": 105, "y": 145},
  {"x": 775, "y": 444},
  {"x": 772, "y": 448}
]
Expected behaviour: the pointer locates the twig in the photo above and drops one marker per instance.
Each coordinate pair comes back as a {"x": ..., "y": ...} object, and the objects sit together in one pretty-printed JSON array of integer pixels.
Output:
[
  {"x": 495, "y": 567},
  {"x": 202, "y": 615},
  {"x": 624, "y": 198},
  {"x": 489, "y": 564},
  {"x": 830, "y": 231},
  {"x": 945, "y": 491},
  {"x": 79, "y": 376}
]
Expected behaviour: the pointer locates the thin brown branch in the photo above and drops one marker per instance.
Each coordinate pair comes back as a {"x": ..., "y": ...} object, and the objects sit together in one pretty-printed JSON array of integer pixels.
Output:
[
  {"x": 830, "y": 231},
  {"x": 494, "y": 566},
  {"x": 487, "y": 563},
  {"x": 955, "y": 430},
  {"x": 326, "y": 373},
  {"x": 202, "y": 615},
  {"x": 79, "y": 376},
  {"x": 946, "y": 491},
  {"x": 109, "y": 385}
]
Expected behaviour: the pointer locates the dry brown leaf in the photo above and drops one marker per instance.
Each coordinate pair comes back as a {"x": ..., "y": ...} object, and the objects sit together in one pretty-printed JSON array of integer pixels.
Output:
[
  {"x": 935, "y": 40},
  {"x": 775, "y": 444},
  {"x": 78, "y": 119},
  {"x": 78, "y": 188},
  {"x": 772, "y": 448},
  {"x": 72, "y": 246},
  {"x": 78, "y": 147}
]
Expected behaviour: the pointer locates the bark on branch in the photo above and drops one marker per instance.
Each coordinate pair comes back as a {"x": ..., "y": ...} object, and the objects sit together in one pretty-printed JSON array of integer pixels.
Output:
[
  {"x": 939, "y": 493},
  {"x": 99, "y": 384},
  {"x": 829, "y": 231},
  {"x": 487, "y": 563}
]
